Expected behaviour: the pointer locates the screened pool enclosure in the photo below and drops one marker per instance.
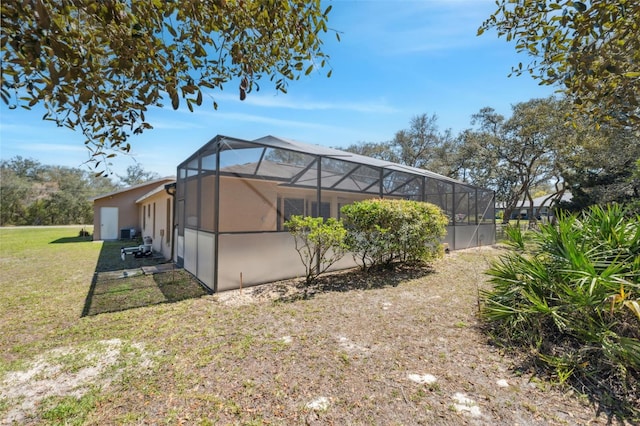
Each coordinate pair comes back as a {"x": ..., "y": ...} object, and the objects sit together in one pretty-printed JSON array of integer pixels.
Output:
[{"x": 233, "y": 197}]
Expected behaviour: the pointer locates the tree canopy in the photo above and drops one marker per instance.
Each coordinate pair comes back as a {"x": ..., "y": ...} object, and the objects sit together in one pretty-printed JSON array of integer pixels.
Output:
[
  {"x": 517, "y": 155},
  {"x": 98, "y": 66},
  {"x": 36, "y": 194},
  {"x": 590, "y": 48},
  {"x": 422, "y": 145},
  {"x": 136, "y": 174},
  {"x": 603, "y": 168}
]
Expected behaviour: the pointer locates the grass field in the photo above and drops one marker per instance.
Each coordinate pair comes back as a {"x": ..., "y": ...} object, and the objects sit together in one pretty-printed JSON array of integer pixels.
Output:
[{"x": 81, "y": 343}]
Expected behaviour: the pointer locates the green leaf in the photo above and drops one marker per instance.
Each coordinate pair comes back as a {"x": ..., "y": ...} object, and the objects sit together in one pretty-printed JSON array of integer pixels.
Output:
[
  {"x": 581, "y": 7},
  {"x": 309, "y": 69},
  {"x": 171, "y": 30},
  {"x": 632, "y": 74},
  {"x": 175, "y": 100},
  {"x": 132, "y": 50}
]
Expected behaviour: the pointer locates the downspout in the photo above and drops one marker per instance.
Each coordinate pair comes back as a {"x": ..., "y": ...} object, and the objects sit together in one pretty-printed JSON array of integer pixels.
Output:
[{"x": 170, "y": 188}]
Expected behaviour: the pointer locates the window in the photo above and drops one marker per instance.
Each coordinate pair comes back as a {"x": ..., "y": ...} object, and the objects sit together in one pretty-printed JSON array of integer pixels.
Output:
[
  {"x": 168, "y": 230},
  {"x": 290, "y": 207},
  {"x": 154, "y": 222},
  {"x": 325, "y": 209},
  {"x": 144, "y": 218}
]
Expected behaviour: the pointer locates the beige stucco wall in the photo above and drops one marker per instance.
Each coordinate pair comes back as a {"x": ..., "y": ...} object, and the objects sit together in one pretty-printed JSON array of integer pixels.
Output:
[
  {"x": 156, "y": 220},
  {"x": 247, "y": 205},
  {"x": 247, "y": 245},
  {"x": 252, "y": 205}
]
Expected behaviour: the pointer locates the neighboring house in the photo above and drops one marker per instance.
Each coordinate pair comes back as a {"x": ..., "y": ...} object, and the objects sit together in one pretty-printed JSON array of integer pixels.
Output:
[
  {"x": 233, "y": 197},
  {"x": 542, "y": 206},
  {"x": 139, "y": 210}
]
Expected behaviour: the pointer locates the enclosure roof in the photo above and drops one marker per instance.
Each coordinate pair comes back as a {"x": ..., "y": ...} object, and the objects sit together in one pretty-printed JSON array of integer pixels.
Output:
[
  {"x": 321, "y": 151},
  {"x": 328, "y": 152}
]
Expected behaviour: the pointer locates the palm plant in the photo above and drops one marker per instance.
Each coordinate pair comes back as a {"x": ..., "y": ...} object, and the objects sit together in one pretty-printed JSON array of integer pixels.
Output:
[{"x": 573, "y": 296}]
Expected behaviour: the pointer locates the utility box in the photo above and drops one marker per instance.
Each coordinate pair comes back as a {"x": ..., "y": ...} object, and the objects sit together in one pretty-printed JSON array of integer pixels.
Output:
[{"x": 127, "y": 233}]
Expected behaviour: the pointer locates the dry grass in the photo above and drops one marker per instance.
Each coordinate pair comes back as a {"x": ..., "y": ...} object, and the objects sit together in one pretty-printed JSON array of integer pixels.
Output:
[{"x": 401, "y": 347}]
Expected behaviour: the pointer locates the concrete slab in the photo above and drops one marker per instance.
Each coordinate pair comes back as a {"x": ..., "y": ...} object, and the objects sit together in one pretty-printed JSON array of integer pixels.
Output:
[
  {"x": 156, "y": 269},
  {"x": 114, "y": 275}
]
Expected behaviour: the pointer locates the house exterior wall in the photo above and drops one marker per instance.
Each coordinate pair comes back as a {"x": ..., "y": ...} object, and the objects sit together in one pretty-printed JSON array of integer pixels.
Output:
[
  {"x": 247, "y": 205},
  {"x": 125, "y": 201},
  {"x": 156, "y": 221},
  {"x": 127, "y": 212},
  {"x": 252, "y": 205}
]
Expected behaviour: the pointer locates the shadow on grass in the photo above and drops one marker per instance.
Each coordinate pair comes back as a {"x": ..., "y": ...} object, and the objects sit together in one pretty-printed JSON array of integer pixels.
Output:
[
  {"x": 356, "y": 279},
  {"x": 72, "y": 240},
  {"x": 119, "y": 285}
]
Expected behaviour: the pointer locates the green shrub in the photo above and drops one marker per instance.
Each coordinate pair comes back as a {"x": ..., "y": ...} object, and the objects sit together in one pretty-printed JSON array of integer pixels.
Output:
[
  {"x": 573, "y": 296},
  {"x": 319, "y": 243},
  {"x": 381, "y": 231}
]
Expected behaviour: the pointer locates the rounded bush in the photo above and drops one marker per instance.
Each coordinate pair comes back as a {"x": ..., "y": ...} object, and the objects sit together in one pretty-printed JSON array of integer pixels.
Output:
[{"x": 384, "y": 231}]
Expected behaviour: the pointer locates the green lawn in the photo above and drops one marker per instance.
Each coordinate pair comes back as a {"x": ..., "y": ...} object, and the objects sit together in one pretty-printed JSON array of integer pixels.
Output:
[
  {"x": 78, "y": 345},
  {"x": 60, "y": 290}
]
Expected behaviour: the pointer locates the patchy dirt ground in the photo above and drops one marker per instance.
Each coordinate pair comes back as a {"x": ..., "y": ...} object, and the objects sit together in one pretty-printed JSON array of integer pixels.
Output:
[
  {"x": 67, "y": 372},
  {"x": 413, "y": 335},
  {"x": 398, "y": 347}
]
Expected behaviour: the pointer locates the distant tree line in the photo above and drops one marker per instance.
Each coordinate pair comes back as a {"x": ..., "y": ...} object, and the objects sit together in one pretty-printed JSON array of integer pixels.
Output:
[
  {"x": 535, "y": 152},
  {"x": 35, "y": 194}
]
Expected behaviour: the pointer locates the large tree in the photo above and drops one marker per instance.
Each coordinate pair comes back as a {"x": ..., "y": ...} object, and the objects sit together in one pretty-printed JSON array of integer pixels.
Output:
[
  {"x": 380, "y": 150},
  {"x": 14, "y": 190},
  {"x": 516, "y": 156},
  {"x": 35, "y": 194},
  {"x": 97, "y": 66},
  {"x": 421, "y": 145},
  {"x": 136, "y": 174},
  {"x": 603, "y": 168},
  {"x": 590, "y": 48}
]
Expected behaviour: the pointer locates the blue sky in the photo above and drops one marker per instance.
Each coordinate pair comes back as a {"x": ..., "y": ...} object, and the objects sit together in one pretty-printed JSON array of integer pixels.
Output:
[{"x": 396, "y": 59}]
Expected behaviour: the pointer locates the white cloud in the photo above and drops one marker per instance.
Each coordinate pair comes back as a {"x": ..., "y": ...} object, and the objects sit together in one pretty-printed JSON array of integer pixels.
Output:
[
  {"x": 54, "y": 147},
  {"x": 261, "y": 119},
  {"x": 288, "y": 101},
  {"x": 173, "y": 124}
]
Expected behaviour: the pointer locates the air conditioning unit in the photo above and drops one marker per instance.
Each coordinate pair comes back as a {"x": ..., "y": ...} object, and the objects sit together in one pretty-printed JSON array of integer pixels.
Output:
[{"x": 127, "y": 233}]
